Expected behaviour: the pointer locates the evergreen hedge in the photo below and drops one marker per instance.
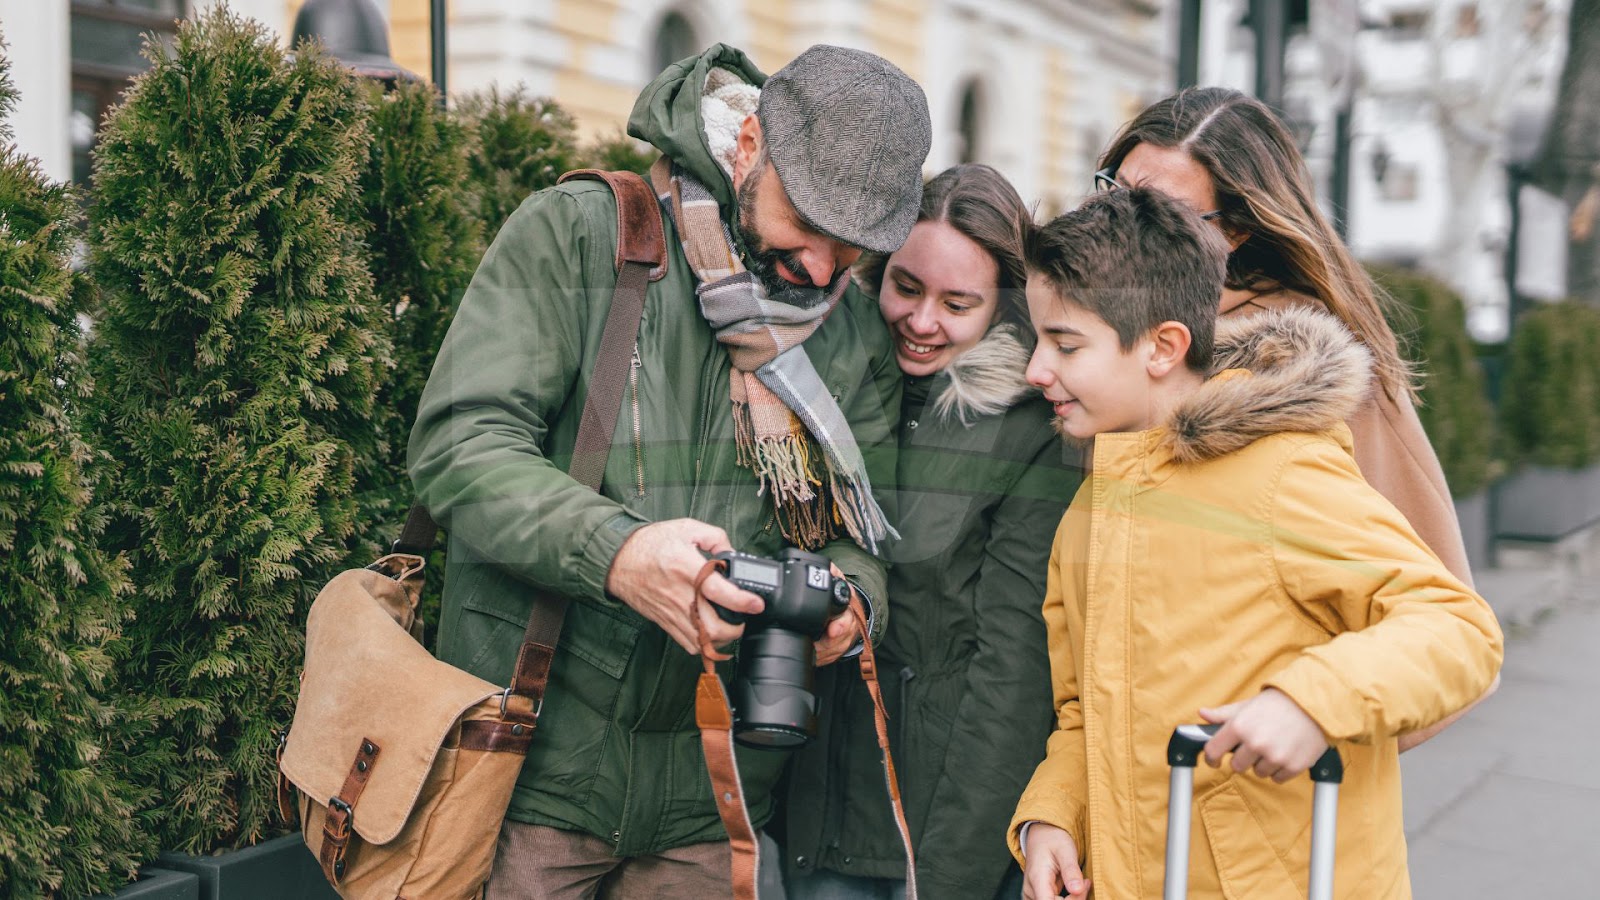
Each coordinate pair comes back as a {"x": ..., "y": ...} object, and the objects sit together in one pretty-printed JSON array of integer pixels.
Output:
[
  {"x": 1550, "y": 402},
  {"x": 66, "y": 826},
  {"x": 520, "y": 144},
  {"x": 237, "y": 353},
  {"x": 1455, "y": 408},
  {"x": 426, "y": 241},
  {"x": 620, "y": 153}
]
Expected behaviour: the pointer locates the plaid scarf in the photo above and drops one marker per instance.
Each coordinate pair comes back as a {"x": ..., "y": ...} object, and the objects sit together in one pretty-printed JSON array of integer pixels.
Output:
[{"x": 781, "y": 409}]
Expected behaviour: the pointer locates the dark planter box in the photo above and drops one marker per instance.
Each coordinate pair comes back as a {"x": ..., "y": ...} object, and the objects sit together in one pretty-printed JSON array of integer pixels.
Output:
[
  {"x": 160, "y": 884},
  {"x": 1539, "y": 503},
  {"x": 274, "y": 870},
  {"x": 1473, "y": 514}
]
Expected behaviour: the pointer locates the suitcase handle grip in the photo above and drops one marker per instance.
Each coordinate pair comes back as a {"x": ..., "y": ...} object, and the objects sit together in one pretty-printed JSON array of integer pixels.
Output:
[{"x": 1188, "y": 741}]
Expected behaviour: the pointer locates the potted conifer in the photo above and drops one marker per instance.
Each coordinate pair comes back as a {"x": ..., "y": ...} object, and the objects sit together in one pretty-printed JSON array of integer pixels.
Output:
[
  {"x": 237, "y": 351},
  {"x": 1550, "y": 412},
  {"x": 66, "y": 820}
]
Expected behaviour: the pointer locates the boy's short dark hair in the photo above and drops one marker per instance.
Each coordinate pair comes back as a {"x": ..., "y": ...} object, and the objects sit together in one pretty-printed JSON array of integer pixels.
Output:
[{"x": 1136, "y": 258}]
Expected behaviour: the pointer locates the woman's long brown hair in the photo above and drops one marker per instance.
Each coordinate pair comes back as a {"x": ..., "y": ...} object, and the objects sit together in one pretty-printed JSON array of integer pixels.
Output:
[{"x": 1264, "y": 191}]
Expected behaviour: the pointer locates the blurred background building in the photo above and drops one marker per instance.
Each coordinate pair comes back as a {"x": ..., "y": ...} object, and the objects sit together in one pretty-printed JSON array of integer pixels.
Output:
[{"x": 1417, "y": 117}]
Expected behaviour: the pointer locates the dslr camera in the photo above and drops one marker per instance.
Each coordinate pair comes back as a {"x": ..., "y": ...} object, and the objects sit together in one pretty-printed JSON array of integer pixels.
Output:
[{"x": 774, "y": 707}]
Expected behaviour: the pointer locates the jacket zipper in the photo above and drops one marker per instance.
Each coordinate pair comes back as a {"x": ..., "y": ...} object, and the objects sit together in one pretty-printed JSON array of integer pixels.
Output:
[
  {"x": 638, "y": 434},
  {"x": 905, "y": 702}
]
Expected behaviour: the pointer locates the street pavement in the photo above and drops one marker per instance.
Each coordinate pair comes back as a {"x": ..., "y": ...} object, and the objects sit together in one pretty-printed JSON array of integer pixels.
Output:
[{"x": 1506, "y": 803}]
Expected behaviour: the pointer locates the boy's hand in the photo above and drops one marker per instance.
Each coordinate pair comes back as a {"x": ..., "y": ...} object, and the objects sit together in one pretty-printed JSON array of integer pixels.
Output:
[
  {"x": 1269, "y": 733},
  {"x": 1052, "y": 865}
]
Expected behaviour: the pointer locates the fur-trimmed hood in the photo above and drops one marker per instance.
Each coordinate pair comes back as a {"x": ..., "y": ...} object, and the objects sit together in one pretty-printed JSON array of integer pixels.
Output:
[
  {"x": 987, "y": 379},
  {"x": 1306, "y": 372}
]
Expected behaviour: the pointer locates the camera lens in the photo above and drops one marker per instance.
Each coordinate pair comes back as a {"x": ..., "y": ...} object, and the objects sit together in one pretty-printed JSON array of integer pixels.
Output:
[{"x": 774, "y": 707}]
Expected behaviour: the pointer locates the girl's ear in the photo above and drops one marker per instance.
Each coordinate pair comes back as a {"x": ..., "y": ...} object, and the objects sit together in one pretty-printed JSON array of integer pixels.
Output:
[{"x": 1169, "y": 345}]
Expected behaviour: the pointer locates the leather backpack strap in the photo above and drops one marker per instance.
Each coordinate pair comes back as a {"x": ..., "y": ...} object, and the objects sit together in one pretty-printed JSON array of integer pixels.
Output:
[{"x": 641, "y": 258}]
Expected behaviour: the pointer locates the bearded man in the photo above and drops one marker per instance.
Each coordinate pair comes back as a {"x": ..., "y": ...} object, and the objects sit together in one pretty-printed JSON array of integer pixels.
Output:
[{"x": 758, "y": 414}]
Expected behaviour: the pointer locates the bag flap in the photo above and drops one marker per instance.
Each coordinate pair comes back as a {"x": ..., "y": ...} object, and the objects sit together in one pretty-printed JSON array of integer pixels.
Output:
[{"x": 366, "y": 678}]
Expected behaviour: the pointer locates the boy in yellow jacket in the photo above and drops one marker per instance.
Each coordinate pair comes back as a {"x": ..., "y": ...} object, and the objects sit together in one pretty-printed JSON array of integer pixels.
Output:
[{"x": 1226, "y": 560}]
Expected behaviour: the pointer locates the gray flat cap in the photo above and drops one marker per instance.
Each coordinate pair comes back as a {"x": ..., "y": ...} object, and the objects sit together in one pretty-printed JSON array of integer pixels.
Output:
[{"x": 848, "y": 133}]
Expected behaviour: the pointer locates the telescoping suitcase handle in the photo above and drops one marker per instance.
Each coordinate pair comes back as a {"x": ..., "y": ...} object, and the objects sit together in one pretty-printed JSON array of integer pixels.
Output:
[{"x": 1183, "y": 752}]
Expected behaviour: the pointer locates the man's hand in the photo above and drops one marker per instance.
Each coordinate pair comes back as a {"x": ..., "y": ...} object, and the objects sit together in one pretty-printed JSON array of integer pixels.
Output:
[
  {"x": 654, "y": 573},
  {"x": 1052, "y": 865},
  {"x": 839, "y": 638},
  {"x": 1269, "y": 733}
]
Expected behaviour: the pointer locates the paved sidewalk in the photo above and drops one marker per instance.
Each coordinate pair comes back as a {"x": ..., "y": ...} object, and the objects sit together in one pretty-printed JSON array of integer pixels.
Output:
[{"x": 1506, "y": 804}]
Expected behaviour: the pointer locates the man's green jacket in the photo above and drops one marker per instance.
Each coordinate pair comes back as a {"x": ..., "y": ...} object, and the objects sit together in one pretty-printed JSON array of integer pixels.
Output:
[{"x": 617, "y": 753}]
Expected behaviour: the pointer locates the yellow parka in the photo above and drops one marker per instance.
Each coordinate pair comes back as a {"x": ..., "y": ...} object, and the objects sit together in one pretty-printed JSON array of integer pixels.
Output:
[{"x": 1238, "y": 548}]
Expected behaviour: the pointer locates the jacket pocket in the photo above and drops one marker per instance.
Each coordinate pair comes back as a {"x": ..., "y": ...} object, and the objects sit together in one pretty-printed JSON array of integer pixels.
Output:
[
  {"x": 579, "y": 714},
  {"x": 598, "y": 636},
  {"x": 1249, "y": 865}
]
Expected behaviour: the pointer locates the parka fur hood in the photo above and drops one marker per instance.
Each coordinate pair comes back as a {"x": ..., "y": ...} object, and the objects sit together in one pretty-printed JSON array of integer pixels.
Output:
[
  {"x": 988, "y": 379},
  {"x": 1307, "y": 372}
]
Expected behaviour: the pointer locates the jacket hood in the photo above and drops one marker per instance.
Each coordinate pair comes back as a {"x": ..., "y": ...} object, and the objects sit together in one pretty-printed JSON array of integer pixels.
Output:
[
  {"x": 1304, "y": 372},
  {"x": 667, "y": 115},
  {"x": 987, "y": 379}
]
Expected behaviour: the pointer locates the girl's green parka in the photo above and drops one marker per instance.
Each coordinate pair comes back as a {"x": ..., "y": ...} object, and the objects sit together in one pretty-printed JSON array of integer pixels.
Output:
[{"x": 983, "y": 480}]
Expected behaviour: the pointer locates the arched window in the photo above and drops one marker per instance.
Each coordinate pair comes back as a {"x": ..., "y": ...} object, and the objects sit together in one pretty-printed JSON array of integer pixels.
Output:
[
  {"x": 675, "y": 40},
  {"x": 971, "y": 122}
]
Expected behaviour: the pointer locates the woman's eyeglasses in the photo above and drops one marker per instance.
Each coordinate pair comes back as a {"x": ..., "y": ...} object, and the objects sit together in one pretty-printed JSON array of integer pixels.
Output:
[{"x": 1105, "y": 180}]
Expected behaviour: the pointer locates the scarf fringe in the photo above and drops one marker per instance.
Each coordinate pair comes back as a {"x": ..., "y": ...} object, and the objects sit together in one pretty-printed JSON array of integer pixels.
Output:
[{"x": 775, "y": 435}]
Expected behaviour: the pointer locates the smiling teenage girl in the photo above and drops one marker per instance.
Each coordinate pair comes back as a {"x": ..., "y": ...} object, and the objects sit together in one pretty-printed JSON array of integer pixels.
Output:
[{"x": 982, "y": 483}]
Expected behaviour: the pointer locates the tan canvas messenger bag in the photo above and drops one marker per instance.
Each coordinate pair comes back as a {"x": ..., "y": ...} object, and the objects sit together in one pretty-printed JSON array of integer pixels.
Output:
[{"x": 400, "y": 766}]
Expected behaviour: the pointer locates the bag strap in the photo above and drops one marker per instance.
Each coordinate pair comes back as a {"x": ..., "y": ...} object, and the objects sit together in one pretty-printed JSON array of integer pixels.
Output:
[
  {"x": 641, "y": 258},
  {"x": 714, "y": 716}
]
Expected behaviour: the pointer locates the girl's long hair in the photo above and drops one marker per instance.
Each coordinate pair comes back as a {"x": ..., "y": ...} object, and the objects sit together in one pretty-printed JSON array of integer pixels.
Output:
[
  {"x": 981, "y": 204},
  {"x": 1264, "y": 191}
]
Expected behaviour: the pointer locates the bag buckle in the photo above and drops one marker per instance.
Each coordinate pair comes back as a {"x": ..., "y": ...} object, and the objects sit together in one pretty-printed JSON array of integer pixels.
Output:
[{"x": 505, "y": 697}]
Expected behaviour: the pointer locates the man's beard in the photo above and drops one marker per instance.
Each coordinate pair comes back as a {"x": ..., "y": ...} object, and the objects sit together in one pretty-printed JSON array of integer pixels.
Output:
[{"x": 763, "y": 262}]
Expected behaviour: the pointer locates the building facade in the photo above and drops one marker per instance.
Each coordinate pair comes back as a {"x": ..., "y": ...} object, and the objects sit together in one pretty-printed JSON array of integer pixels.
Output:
[
  {"x": 1033, "y": 87},
  {"x": 1413, "y": 114},
  {"x": 1453, "y": 99}
]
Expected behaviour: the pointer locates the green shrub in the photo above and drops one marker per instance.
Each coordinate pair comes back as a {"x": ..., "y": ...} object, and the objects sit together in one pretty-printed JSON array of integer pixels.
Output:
[
  {"x": 66, "y": 823},
  {"x": 620, "y": 153},
  {"x": 1454, "y": 408},
  {"x": 1550, "y": 403},
  {"x": 520, "y": 144},
  {"x": 237, "y": 353},
  {"x": 426, "y": 241}
]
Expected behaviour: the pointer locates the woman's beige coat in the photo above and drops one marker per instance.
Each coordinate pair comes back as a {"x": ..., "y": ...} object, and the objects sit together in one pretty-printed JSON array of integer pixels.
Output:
[{"x": 1391, "y": 448}]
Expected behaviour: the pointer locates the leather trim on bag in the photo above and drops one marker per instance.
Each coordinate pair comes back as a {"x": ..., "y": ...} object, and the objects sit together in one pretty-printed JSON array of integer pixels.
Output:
[
  {"x": 342, "y": 809},
  {"x": 641, "y": 238},
  {"x": 496, "y": 737}
]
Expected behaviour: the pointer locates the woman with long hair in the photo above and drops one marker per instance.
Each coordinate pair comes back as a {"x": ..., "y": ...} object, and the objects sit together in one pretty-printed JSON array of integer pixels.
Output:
[
  {"x": 1234, "y": 162},
  {"x": 982, "y": 483}
]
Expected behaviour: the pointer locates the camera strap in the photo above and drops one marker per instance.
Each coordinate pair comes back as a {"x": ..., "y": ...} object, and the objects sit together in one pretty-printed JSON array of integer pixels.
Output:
[
  {"x": 880, "y": 720},
  {"x": 714, "y": 716}
]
